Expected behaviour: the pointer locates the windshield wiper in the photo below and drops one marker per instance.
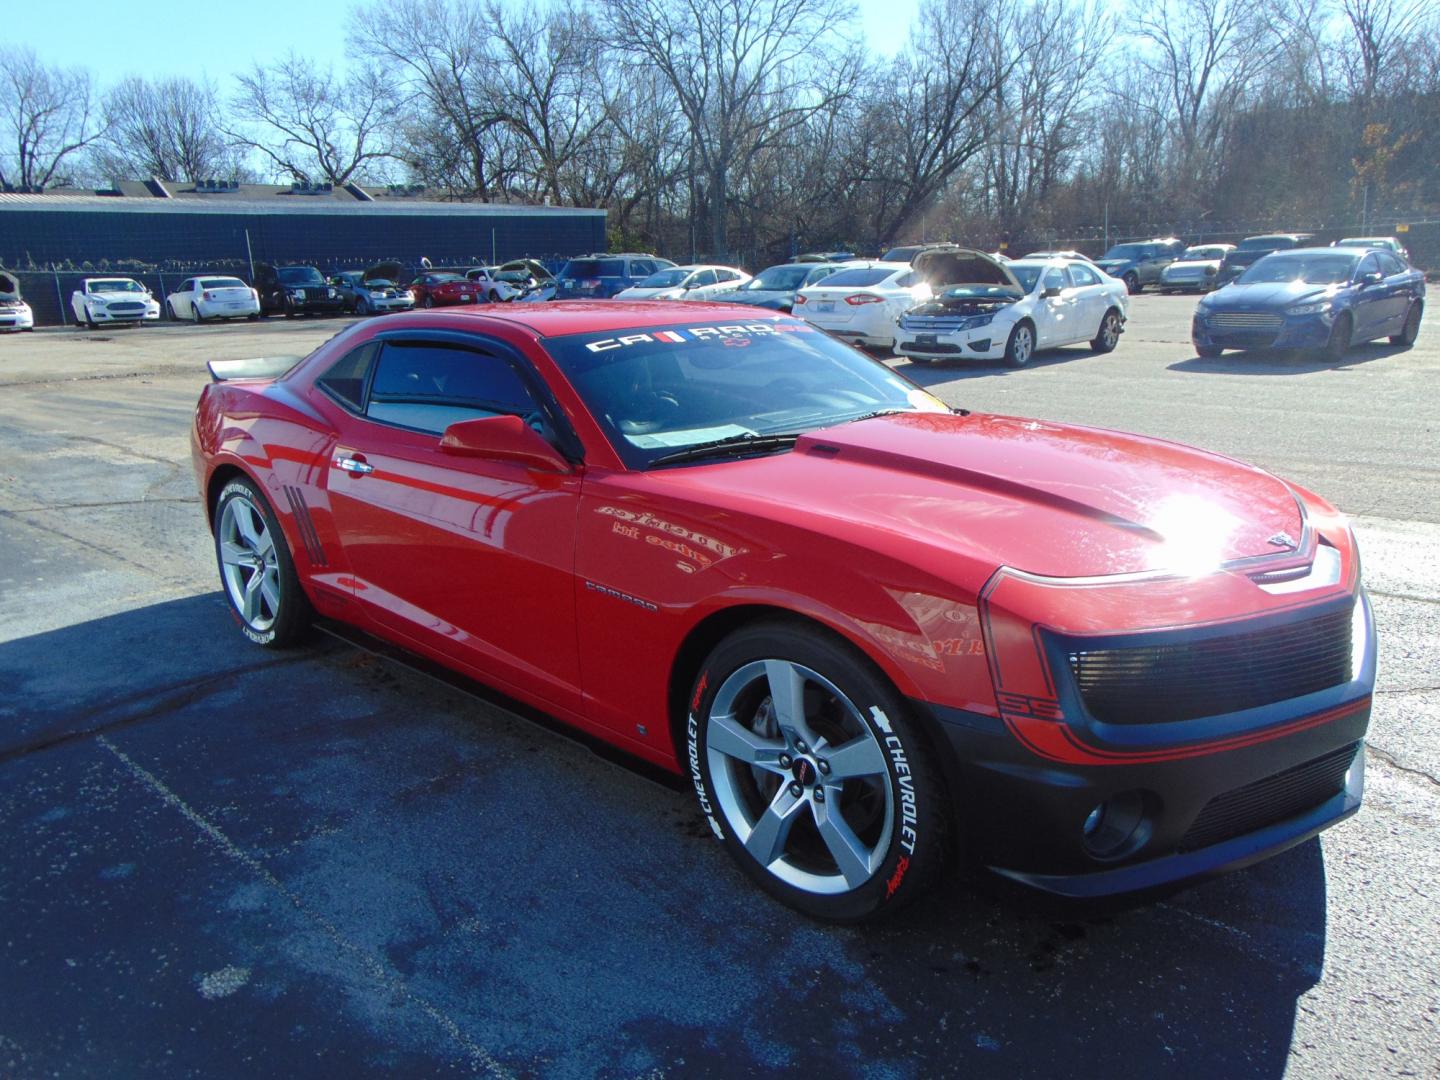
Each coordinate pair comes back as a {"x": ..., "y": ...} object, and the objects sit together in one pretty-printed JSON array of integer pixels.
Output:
[{"x": 730, "y": 446}]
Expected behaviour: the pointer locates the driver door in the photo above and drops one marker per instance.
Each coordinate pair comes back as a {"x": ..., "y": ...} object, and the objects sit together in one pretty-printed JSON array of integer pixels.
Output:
[{"x": 462, "y": 555}]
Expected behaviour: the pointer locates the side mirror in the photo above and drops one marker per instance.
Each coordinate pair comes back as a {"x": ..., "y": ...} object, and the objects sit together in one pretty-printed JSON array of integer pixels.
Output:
[
  {"x": 503, "y": 438},
  {"x": 1374, "y": 277},
  {"x": 1051, "y": 292}
]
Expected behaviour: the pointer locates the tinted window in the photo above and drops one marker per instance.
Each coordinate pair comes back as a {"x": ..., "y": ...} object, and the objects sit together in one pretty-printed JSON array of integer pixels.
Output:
[
  {"x": 592, "y": 268},
  {"x": 300, "y": 275},
  {"x": 1083, "y": 275},
  {"x": 705, "y": 277},
  {"x": 780, "y": 279},
  {"x": 430, "y": 386},
  {"x": 641, "y": 267},
  {"x": 727, "y": 275},
  {"x": 857, "y": 277},
  {"x": 346, "y": 378},
  {"x": 665, "y": 279},
  {"x": 1368, "y": 265},
  {"x": 1126, "y": 251},
  {"x": 1310, "y": 269},
  {"x": 1389, "y": 264}
]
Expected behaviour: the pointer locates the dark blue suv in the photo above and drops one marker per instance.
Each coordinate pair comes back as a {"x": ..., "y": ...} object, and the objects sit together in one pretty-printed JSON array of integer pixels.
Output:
[{"x": 602, "y": 276}]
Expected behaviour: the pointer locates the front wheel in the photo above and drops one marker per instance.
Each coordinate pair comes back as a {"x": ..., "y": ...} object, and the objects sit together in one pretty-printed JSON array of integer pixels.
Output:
[
  {"x": 807, "y": 765},
  {"x": 1208, "y": 352},
  {"x": 1021, "y": 345},
  {"x": 1108, "y": 335},
  {"x": 256, "y": 568},
  {"x": 1132, "y": 282},
  {"x": 428, "y": 302},
  {"x": 1411, "y": 329},
  {"x": 1334, "y": 349}
]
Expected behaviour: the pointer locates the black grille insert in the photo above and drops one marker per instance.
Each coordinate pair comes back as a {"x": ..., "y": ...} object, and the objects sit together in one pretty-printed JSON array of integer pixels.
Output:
[
  {"x": 1268, "y": 801},
  {"x": 1210, "y": 676}
]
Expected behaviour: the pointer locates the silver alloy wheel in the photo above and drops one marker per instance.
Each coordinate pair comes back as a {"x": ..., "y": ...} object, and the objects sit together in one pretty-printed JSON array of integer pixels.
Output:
[
  {"x": 800, "y": 777},
  {"x": 1024, "y": 345},
  {"x": 1110, "y": 330},
  {"x": 249, "y": 563}
]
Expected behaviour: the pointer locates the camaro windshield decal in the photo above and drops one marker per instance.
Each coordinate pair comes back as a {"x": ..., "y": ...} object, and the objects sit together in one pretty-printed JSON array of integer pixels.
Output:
[{"x": 736, "y": 333}]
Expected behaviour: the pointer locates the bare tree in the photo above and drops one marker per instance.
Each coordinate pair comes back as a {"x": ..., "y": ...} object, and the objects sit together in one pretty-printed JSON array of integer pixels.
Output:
[
  {"x": 169, "y": 128},
  {"x": 1380, "y": 31},
  {"x": 309, "y": 124},
  {"x": 746, "y": 75},
  {"x": 47, "y": 115}
]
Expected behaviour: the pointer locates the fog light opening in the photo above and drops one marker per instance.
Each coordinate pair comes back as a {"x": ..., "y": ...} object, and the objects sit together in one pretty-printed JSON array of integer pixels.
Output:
[{"x": 1117, "y": 826}]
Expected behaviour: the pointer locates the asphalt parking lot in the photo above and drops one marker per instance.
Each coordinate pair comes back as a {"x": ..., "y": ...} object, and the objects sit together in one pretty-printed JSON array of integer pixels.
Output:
[{"x": 219, "y": 861}]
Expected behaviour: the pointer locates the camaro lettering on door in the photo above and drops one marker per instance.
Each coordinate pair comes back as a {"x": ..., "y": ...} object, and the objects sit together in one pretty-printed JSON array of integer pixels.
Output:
[
  {"x": 908, "y": 819},
  {"x": 618, "y": 595},
  {"x": 694, "y": 333}
]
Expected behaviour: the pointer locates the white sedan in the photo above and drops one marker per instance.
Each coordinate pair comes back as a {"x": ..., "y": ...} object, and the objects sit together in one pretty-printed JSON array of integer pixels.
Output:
[
  {"x": 113, "y": 300},
  {"x": 987, "y": 310},
  {"x": 492, "y": 289},
  {"x": 202, "y": 298},
  {"x": 15, "y": 313},
  {"x": 861, "y": 302},
  {"x": 686, "y": 283}
]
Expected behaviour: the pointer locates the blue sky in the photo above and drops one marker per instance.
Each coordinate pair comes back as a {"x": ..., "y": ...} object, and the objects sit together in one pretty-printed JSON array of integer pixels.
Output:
[{"x": 216, "y": 41}]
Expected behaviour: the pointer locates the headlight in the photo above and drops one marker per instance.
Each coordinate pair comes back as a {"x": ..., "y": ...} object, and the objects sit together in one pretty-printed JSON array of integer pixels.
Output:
[
  {"x": 1309, "y": 309},
  {"x": 297, "y": 294},
  {"x": 977, "y": 321},
  {"x": 331, "y": 293}
]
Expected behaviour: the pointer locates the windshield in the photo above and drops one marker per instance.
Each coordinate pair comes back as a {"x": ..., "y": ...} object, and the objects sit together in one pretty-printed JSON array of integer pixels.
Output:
[
  {"x": 116, "y": 285},
  {"x": 656, "y": 391},
  {"x": 901, "y": 254},
  {"x": 1195, "y": 254},
  {"x": 300, "y": 275},
  {"x": 222, "y": 283},
  {"x": 1366, "y": 241},
  {"x": 778, "y": 279},
  {"x": 1262, "y": 243},
  {"x": 665, "y": 279},
  {"x": 442, "y": 279},
  {"x": 380, "y": 283},
  {"x": 1126, "y": 251},
  {"x": 1310, "y": 269}
]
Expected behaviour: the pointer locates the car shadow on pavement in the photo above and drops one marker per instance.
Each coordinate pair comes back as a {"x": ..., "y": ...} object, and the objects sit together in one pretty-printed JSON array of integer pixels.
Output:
[
  {"x": 220, "y": 854},
  {"x": 951, "y": 371},
  {"x": 1286, "y": 361}
]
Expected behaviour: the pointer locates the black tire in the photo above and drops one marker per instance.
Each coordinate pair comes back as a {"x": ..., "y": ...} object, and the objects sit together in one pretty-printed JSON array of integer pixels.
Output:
[
  {"x": 1208, "y": 352},
  {"x": 1132, "y": 282},
  {"x": 170, "y": 311},
  {"x": 291, "y": 622},
  {"x": 1333, "y": 351},
  {"x": 1021, "y": 345},
  {"x": 1107, "y": 335},
  {"x": 195, "y": 313},
  {"x": 428, "y": 302},
  {"x": 362, "y": 306},
  {"x": 907, "y": 780},
  {"x": 1411, "y": 330}
]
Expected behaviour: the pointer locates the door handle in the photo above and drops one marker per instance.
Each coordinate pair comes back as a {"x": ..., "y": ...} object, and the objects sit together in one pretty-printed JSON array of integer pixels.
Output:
[{"x": 355, "y": 466}]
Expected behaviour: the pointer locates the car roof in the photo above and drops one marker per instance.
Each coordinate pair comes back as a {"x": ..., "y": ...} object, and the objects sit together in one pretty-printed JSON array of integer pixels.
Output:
[
  {"x": 1325, "y": 251},
  {"x": 560, "y": 317}
]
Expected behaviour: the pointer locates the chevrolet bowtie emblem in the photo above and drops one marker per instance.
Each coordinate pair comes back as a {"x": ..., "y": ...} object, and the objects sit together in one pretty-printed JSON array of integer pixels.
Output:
[{"x": 1282, "y": 540}]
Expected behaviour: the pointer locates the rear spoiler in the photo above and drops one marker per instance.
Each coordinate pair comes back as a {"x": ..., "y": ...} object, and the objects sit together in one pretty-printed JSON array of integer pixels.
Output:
[{"x": 258, "y": 367}]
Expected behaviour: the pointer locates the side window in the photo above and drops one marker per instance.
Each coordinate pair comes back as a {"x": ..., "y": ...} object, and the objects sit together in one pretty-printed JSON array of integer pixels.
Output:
[
  {"x": 1389, "y": 264},
  {"x": 1055, "y": 278},
  {"x": 705, "y": 277},
  {"x": 345, "y": 380},
  {"x": 727, "y": 275},
  {"x": 641, "y": 268},
  {"x": 1368, "y": 265},
  {"x": 429, "y": 386},
  {"x": 1083, "y": 275},
  {"x": 188, "y": 286}
]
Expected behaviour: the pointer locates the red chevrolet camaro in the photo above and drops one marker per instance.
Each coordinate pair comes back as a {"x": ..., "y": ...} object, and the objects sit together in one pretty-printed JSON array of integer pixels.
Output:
[{"x": 871, "y": 631}]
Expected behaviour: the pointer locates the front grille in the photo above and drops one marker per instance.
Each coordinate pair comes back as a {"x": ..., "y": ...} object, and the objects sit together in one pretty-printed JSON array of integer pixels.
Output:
[
  {"x": 942, "y": 324},
  {"x": 1189, "y": 273},
  {"x": 1210, "y": 676},
  {"x": 1271, "y": 800},
  {"x": 930, "y": 347},
  {"x": 1247, "y": 320},
  {"x": 125, "y": 305}
]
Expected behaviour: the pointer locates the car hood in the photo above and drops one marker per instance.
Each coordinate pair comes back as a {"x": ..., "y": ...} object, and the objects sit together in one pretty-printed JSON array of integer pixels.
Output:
[
  {"x": 107, "y": 295},
  {"x": 1266, "y": 294},
  {"x": 9, "y": 286},
  {"x": 1050, "y": 499},
  {"x": 530, "y": 266},
  {"x": 962, "y": 266},
  {"x": 390, "y": 271}
]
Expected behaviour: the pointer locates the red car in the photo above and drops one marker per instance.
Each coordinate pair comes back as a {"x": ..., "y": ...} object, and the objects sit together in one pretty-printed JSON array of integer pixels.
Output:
[
  {"x": 870, "y": 630},
  {"x": 432, "y": 290}
]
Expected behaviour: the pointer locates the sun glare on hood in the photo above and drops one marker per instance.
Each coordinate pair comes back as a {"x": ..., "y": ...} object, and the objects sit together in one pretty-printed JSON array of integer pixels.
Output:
[{"x": 1196, "y": 534}]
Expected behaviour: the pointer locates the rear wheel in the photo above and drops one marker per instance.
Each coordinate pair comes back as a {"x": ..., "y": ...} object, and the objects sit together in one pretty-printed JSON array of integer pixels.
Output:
[
  {"x": 1021, "y": 345},
  {"x": 1108, "y": 335},
  {"x": 1132, "y": 282},
  {"x": 428, "y": 302},
  {"x": 807, "y": 765},
  {"x": 256, "y": 568},
  {"x": 195, "y": 312},
  {"x": 1411, "y": 330},
  {"x": 170, "y": 311}
]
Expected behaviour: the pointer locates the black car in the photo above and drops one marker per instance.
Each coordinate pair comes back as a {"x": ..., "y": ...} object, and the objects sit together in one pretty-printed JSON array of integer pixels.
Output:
[
  {"x": 296, "y": 290},
  {"x": 1252, "y": 249}
]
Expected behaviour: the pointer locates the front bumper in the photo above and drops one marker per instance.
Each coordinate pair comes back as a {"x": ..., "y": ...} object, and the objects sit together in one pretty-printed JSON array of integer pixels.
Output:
[
  {"x": 1284, "y": 331},
  {"x": 97, "y": 315},
  {"x": 1296, "y": 771},
  {"x": 16, "y": 318},
  {"x": 981, "y": 343}
]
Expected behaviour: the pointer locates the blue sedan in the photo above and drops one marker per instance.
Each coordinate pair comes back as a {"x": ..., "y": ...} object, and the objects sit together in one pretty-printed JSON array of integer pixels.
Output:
[{"x": 1319, "y": 299}]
